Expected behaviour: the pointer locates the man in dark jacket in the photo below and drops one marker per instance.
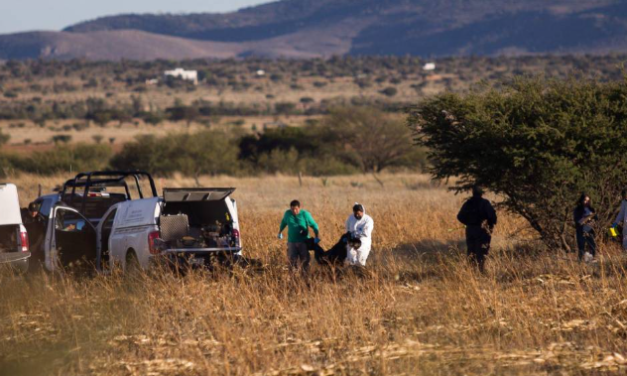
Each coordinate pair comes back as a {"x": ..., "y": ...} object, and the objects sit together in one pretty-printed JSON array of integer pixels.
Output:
[
  {"x": 479, "y": 216},
  {"x": 35, "y": 224},
  {"x": 584, "y": 217}
]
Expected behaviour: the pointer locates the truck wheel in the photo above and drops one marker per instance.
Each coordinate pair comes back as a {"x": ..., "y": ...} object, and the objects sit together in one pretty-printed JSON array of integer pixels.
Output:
[{"x": 132, "y": 268}]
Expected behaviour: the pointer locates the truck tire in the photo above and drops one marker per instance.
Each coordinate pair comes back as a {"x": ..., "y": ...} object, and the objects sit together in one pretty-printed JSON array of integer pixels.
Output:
[{"x": 132, "y": 267}]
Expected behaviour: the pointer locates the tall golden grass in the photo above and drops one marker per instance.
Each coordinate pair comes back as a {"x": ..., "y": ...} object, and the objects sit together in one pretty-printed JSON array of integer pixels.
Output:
[{"x": 420, "y": 308}]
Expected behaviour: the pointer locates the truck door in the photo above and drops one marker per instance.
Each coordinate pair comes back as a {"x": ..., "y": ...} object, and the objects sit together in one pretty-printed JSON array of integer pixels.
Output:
[
  {"x": 70, "y": 240},
  {"x": 104, "y": 230}
]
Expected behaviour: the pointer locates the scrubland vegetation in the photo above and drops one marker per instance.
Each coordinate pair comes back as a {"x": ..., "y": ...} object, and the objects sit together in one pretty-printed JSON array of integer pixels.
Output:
[
  {"x": 420, "y": 309},
  {"x": 47, "y": 102},
  {"x": 346, "y": 141}
]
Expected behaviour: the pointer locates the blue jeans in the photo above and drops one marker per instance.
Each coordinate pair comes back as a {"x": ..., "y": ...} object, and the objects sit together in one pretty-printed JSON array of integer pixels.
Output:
[{"x": 584, "y": 238}]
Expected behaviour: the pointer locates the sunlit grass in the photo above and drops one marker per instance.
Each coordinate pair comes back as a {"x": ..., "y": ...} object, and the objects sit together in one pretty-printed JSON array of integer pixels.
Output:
[{"x": 420, "y": 309}]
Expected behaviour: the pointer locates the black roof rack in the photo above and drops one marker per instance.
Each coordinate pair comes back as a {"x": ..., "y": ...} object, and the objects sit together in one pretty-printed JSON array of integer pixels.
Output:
[{"x": 87, "y": 180}]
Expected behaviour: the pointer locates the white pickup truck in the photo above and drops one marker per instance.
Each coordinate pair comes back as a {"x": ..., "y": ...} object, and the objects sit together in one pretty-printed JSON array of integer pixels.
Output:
[
  {"x": 14, "y": 249},
  {"x": 104, "y": 218},
  {"x": 71, "y": 216},
  {"x": 186, "y": 225}
]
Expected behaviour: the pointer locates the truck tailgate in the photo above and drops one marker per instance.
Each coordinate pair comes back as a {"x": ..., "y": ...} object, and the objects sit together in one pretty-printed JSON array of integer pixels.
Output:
[{"x": 7, "y": 258}]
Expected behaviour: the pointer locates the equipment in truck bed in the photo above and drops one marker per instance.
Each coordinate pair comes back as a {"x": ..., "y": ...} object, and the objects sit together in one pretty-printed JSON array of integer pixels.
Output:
[{"x": 174, "y": 227}]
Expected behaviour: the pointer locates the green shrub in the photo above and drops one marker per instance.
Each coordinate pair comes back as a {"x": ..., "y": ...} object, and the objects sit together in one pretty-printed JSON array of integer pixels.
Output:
[
  {"x": 368, "y": 138},
  {"x": 279, "y": 161},
  {"x": 326, "y": 165},
  {"x": 4, "y": 138},
  {"x": 62, "y": 138},
  {"x": 152, "y": 118},
  {"x": 389, "y": 91},
  {"x": 346, "y": 141},
  {"x": 207, "y": 152},
  {"x": 285, "y": 108},
  {"x": 80, "y": 157}
]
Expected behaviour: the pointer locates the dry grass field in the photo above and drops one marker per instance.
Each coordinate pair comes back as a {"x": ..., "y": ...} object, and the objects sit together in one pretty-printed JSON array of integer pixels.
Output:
[{"x": 420, "y": 309}]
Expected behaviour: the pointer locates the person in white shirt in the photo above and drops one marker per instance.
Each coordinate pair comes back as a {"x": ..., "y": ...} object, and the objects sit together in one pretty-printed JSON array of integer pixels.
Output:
[{"x": 360, "y": 226}]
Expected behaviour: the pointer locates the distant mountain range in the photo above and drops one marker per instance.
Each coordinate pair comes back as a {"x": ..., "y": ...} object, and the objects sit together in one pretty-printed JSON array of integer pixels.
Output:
[{"x": 322, "y": 28}]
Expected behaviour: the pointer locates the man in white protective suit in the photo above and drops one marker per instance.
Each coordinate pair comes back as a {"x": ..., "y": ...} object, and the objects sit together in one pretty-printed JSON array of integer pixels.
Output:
[
  {"x": 360, "y": 226},
  {"x": 622, "y": 218}
]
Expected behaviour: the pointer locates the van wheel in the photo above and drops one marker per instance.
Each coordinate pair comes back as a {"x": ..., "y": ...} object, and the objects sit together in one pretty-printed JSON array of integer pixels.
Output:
[{"x": 132, "y": 264}]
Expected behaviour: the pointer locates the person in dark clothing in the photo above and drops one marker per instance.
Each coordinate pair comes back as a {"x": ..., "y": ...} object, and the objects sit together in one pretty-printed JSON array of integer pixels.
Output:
[
  {"x": 35, "y": 224},
  {"x": 479, "y": 216},
  {"x": 334, "y": 256},
  {"x": 584, "y": 217}
]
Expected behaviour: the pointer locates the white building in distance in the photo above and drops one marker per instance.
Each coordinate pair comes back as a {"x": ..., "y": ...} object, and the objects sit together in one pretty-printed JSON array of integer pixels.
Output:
[
  {"x": 429, "y": 67},
  {"x": 187, "y": 75}
]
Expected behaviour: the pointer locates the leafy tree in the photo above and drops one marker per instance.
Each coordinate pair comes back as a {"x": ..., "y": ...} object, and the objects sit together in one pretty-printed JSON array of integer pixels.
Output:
[
  {"x": 373, "y": 139},
  {"x": 285, "y": 108},
  {"x": 138, "y": 105},
  {"x": 4, "y": 138},
  {"x": 183, "y": 113},
  {"x": 253, "y": 147},
  {"x": 206, "y": 153},
  {"x": 147, "y": 153},
  {"x": 203, "y": 153},
  {"x": 280, "y": 161},
  {"x": 121, "y": 116},
  {"x": 389, "y": 91},
  {"x": 62, "y": 138},
  {"x": 537, "y": 144},
  {"x": 101, "y": 117},
  {"x": 64, "y": 158},
  {"x": 152, "y": 117}
]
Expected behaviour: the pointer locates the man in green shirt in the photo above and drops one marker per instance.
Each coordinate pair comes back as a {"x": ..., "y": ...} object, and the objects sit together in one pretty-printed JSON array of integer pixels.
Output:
[{"x": 298, "y": 222}]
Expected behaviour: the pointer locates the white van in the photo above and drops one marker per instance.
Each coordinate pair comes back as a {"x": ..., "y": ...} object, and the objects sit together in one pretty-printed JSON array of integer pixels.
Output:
[
  {"x": 188, "y": 225},
  {"x": 14, "y": 247}
]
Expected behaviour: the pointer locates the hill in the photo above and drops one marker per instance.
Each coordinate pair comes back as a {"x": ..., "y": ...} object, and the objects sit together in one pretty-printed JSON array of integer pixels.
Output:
[
  {"x": 107, "y": 45},
  {"x": 307, "y": 28}
]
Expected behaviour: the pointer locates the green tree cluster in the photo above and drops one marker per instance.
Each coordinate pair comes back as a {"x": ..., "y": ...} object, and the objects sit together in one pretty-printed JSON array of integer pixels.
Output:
[
  {"x": 537, "y": 144},
  {"x": 209, "y": 152},
  {"x": 63, "y": 158},
  {"x": 347, "y": 141}
]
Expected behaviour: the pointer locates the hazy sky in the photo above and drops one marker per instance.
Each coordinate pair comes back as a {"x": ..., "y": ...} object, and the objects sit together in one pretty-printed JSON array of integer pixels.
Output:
[{"x": 26, "y": 15}]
